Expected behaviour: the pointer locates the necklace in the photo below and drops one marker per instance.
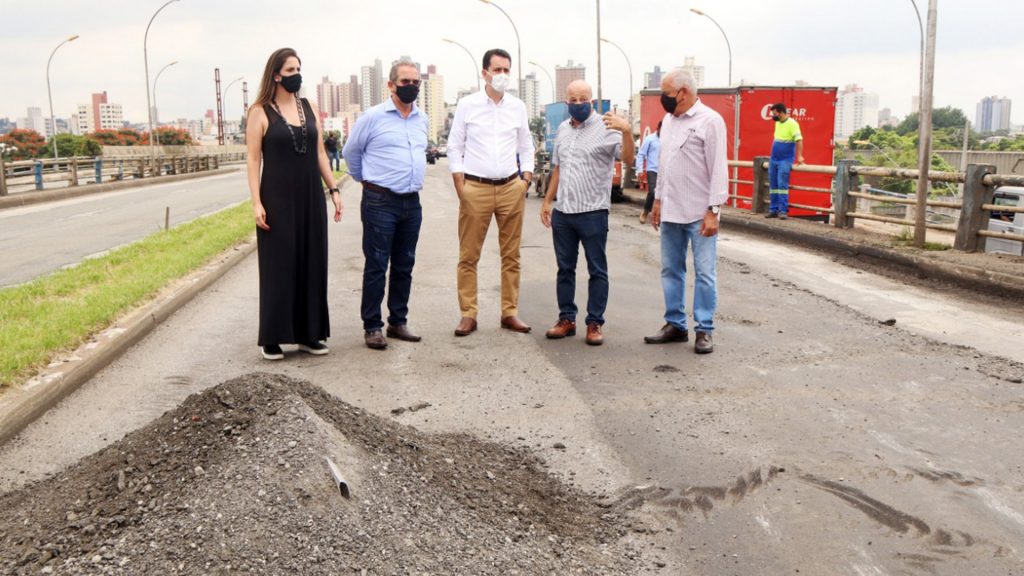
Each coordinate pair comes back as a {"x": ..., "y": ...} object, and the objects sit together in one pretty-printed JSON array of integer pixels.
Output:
[{"x": 301, "y": 150}]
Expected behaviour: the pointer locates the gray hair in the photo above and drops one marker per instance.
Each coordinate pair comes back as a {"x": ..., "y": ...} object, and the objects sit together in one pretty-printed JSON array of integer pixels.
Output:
[
  {"x": 679, "y": 78},
  {"x": 393, "y": 75}
]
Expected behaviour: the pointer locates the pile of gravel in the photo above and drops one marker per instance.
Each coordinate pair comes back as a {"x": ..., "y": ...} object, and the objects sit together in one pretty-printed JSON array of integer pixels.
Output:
[{"x": 235, "y": 481}]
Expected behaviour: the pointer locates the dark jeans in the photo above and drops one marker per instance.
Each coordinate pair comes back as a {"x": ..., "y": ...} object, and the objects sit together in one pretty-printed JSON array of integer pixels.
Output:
[
  {"x": 391, "y": 228},
  {"x": 652, "y": 184},
  {"x": 335, "y": 159},
  {"x": 569, "y": 231}
]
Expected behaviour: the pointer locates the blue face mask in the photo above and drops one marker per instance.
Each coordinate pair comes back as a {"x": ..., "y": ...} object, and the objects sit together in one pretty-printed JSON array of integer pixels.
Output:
[{"x": 580, "y": 111}]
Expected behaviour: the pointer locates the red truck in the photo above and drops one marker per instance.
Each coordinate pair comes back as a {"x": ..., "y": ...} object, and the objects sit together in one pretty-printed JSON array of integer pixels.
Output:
[{"x": 750, "y": 131}]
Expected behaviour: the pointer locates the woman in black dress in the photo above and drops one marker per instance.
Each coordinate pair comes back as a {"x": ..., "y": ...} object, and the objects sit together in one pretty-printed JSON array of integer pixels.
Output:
[{"x": 282, "y": 131}]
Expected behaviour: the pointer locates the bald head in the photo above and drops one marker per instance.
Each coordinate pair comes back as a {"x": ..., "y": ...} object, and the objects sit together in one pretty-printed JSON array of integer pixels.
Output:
[{"x": 578, "y": 91}]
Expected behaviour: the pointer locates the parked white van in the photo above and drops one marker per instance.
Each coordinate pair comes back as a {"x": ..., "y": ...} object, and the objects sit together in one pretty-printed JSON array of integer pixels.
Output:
[{"x": 1012, "y": 222}]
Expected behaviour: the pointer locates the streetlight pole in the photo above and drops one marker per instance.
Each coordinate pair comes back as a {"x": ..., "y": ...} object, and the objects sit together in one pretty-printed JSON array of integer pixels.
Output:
[
  {"x": 519, "y": 47},
  {"x": 228, "y": 89},
  {"x": 49, "y": 94},
  {"x": 145, "y": 56},
  {"x": 166, "y": 66},
  {"x": 554, "y": 97},
  {"x": 476, "y": 72},
  {"x": 924, "y": 152},
  {"x": 630, "y": 67},
  {"x": 728, "y": 46}
]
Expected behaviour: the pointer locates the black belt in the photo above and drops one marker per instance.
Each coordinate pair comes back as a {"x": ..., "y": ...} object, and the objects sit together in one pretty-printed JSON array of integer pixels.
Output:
[
  {"x": 382, "y": 190},
  {"x": 492, "y": 181}
]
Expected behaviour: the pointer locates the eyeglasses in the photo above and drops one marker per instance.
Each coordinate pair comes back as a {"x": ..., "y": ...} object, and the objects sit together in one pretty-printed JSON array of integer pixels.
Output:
[{"x": 407, "y": 82}]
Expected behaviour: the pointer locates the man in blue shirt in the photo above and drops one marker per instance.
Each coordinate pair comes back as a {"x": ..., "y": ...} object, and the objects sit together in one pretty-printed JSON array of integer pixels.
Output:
[
  {"x": 647, "y": 160},
  {"x": 386, "y": 153}
]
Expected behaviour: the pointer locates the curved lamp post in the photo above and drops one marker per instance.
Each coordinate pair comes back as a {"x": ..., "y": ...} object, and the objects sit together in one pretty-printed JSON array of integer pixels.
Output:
[
  {"x": 145, "y": 56},
  {"x": 470, "y": 54},
  {"x": 157, "y": 79},
  {"x": 629, "y": 66},
  {"x": 727, "y": 45},
  {"x": 49, "y": 94}
]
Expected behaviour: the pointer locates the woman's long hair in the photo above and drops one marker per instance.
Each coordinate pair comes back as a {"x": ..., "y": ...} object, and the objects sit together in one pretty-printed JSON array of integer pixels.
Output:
[{"x": 274, "y": 65}]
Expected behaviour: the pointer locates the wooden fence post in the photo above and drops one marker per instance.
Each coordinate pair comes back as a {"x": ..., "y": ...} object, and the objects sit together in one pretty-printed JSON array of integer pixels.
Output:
[
  {"x": 972, "y": 217},
  {"x": 845, "y": 182},
  {"x": 760, "y": 187}
]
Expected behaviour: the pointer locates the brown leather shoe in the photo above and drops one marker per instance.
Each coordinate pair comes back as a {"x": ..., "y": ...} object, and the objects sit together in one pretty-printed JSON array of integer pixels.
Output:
[
  {"x": 595, "y": 337},
  {"x": 668, "y": 333},
  {"x": 375, "y": 340},
  {"x": 514, "y": 324},
  {"x": 402, "y": 332},
  {"x": 563, "y": 328},
  {"x": 704, "y": 344},
  {"x": 466, "y": 327}
]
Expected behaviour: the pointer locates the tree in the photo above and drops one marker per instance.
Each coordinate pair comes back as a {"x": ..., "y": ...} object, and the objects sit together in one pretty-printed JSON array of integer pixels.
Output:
[
  {"x": 26, "y": 144},
  {"x": 538, "y": 126},
  {"x": 72, "y": 145},
  {"x": 121, "y": 137},
  {"x": 169, "y": 136},
  {"x": 945, "y": 117}
]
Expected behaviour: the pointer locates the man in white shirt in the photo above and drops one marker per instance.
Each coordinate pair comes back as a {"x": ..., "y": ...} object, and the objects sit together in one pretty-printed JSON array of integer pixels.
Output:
[
  {"x": 490, "y": 153},
  {"x": 693, "y": 183}
]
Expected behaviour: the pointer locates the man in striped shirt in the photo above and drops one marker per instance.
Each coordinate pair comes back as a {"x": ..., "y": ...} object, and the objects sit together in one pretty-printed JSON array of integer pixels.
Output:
[
  {"x": 693, "y": 182},
  {"x": 585, "y": 151}
]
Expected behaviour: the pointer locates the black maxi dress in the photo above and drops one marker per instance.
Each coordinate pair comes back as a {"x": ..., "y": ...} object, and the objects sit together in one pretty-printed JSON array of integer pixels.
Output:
[{"x": 293, "y": 253}]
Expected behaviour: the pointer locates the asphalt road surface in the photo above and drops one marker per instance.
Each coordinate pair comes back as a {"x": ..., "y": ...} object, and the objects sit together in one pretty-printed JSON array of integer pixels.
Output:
[
  {"x": 817, "y": 439},
  {"x": 38, "y": 239}
]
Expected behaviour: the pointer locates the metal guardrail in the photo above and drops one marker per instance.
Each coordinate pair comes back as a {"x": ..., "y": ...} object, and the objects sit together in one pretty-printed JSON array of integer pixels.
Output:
[
  {"x": 980, "y": 182},
  {"x": 77, "y": 171}
]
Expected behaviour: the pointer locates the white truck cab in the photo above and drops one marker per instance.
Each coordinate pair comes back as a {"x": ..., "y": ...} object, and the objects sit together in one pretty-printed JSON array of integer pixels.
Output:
[{"x": 1012, "y": 222}]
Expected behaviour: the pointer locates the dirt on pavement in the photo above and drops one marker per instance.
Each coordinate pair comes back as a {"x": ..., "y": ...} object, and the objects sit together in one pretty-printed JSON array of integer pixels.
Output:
[{"x": 235, "y": 480}]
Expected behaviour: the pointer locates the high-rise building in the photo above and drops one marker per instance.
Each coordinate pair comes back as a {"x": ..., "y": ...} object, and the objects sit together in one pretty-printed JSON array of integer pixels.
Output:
[
  {"x": 855, "y": 109},
  {"x": 355, "y": 90},
  {"x": 372, "y": 82},
  {"x": 886, "y": 118},
  {"x": 915, "y": 104},
  {"x": 992, "y": 114},
  {"x": 431, "y": 101},
  {"x": 97, "y": 99},
  {"x": 530, "y": 89},
  {"x": 85, "y": 119},
  {"x": 566, "y": 74},
  {"x": 326, "y": 98},
  {"x": 35, "y": 121},
  {"x": 697, "y": 72},
  {"x": 652, "y": 79},
  {"x": 111, "y": 117}
]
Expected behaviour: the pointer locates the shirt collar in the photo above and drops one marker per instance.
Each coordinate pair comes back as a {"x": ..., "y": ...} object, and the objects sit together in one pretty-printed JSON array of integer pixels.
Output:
[
  {"x": 590, "y": 120},
  {"x": 693, "y": 109},
  {"x": 389, "y": 106}
]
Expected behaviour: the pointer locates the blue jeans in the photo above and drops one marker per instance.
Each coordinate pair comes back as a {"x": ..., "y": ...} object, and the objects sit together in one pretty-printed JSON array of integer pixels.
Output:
[
  {"x": 391, "y": 229},
  {"x": 569, "y": 231},
  {"x": 778, "y": 176},
  {"x": 335, "y": 159},
  {"x": 674, "y": 241}
]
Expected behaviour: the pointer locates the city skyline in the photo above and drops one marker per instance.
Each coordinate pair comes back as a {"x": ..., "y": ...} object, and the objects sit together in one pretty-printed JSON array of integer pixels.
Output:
[{"x": 237, "y": 37}]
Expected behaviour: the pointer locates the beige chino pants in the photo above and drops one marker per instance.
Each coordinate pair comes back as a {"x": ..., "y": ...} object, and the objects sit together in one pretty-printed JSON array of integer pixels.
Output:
[{"x": 481, "y": 202}]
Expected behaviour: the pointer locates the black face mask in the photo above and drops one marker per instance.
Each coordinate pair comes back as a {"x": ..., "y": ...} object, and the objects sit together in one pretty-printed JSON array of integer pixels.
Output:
[
  {"x": 407, "y": 94},
  {"x": 776, "y": 118},
  {"x": 292, "y": 83},
  {"x": 669, "y": 103}
]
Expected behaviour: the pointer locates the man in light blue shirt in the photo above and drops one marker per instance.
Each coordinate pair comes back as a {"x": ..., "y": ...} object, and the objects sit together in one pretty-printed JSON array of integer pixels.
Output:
[
  {"x": 386, "y": 153},
  {"x": 647, "y": 160}
]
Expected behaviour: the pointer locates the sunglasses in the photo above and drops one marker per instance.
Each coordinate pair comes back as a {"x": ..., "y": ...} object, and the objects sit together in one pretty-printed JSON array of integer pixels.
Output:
[{"x": 407, "y": 82}]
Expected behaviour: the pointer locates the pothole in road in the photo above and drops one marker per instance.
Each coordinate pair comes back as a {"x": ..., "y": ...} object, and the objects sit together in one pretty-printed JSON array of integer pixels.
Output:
[{"x": 235, "y": 479}]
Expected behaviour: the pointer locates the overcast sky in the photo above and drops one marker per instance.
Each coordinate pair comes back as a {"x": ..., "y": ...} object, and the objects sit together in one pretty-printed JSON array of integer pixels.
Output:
[{"x": 873, "y": 43}]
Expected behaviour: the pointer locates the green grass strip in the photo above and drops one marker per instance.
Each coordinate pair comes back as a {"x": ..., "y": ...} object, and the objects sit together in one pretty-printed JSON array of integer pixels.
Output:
[{"x": 62, "y": 310}]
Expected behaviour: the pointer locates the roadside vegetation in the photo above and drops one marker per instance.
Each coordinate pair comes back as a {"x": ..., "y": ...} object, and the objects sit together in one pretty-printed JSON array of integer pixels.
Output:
[{"x": 58, "y": 312}]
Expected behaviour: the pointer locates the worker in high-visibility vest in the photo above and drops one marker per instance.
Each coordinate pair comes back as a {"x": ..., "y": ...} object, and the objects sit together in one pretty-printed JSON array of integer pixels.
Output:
[{"x": 787, "y": 149}]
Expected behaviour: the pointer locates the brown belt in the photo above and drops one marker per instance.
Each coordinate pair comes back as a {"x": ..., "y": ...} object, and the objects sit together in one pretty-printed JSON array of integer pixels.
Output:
[{"x": 492, "y": 181}]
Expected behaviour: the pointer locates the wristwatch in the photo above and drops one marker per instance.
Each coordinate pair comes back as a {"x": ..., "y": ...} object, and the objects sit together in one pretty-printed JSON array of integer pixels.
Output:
[
  {"x": 333, "y": 190},
  {"x": 715, "y": 209}
]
